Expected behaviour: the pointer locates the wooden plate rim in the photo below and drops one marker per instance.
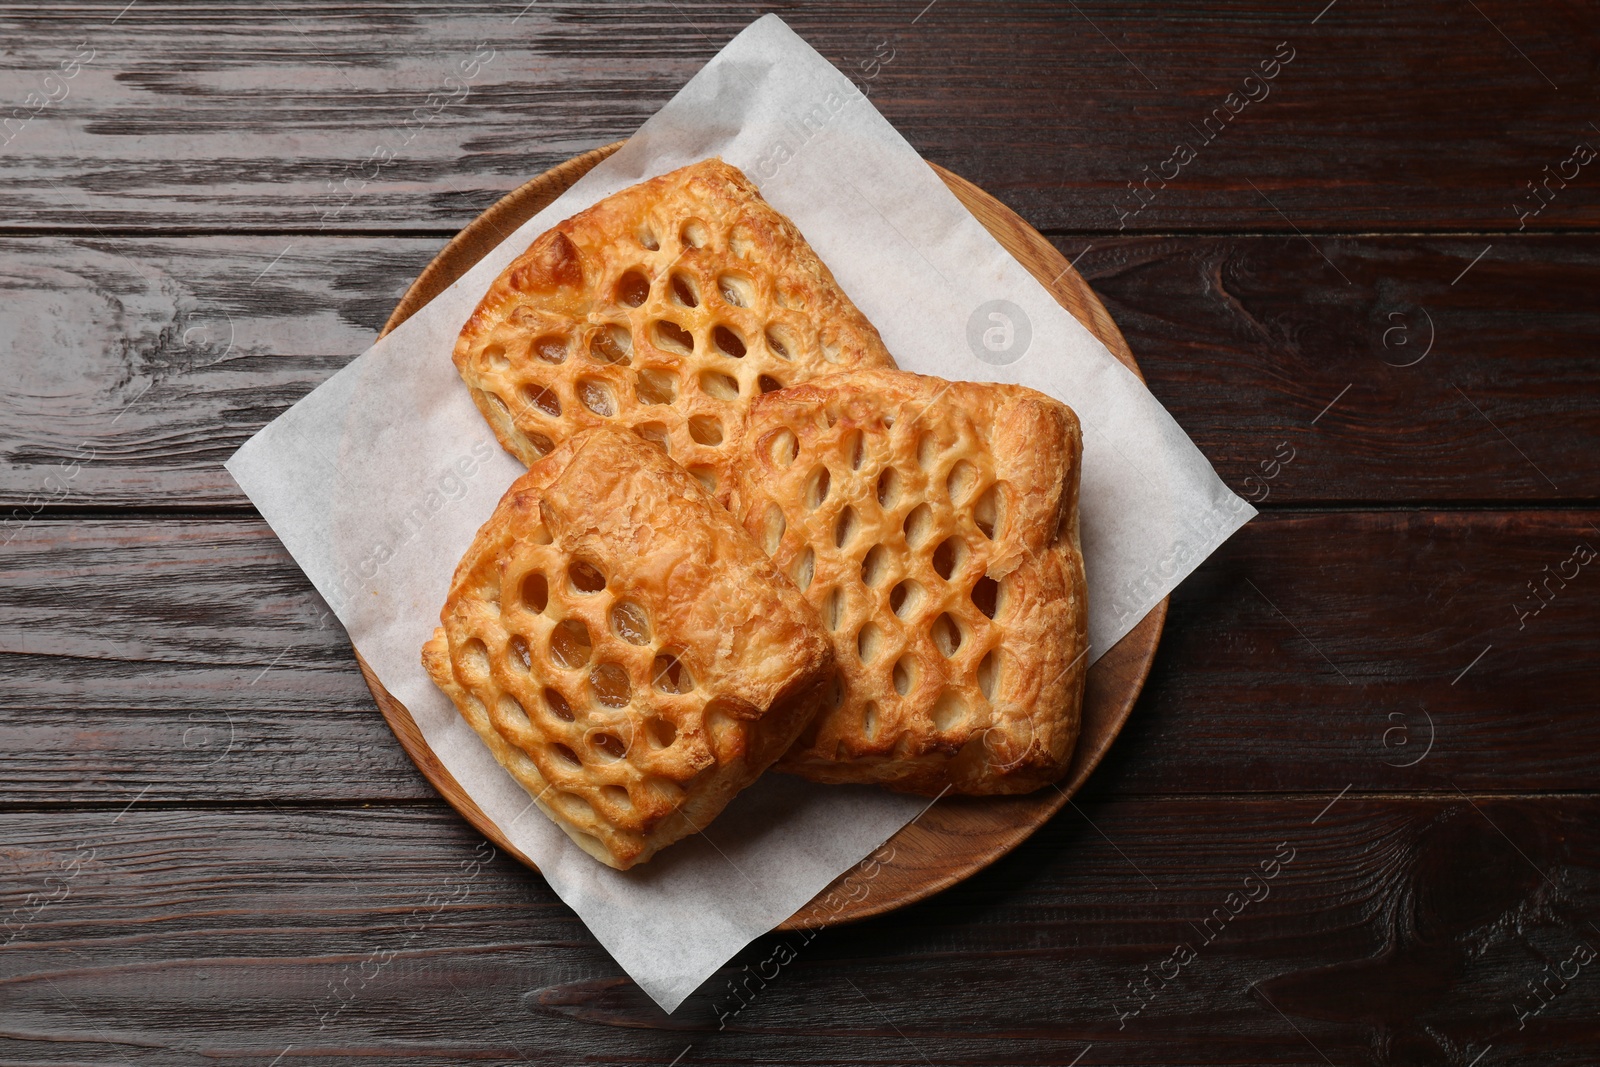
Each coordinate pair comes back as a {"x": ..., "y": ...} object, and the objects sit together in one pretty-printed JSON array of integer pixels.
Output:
[{"x": 1125, "y": 666}]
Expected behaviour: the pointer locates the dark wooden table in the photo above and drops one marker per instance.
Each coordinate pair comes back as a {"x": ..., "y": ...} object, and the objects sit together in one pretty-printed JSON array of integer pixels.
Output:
[{"x": 1355, "y": 817}]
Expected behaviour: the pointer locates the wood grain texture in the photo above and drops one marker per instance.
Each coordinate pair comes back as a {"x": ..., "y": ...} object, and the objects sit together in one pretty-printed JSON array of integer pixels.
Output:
[
  {"x": 136, "y": 367},
  {"x": 1322, "y": 650},
  {"x": 156, "y": 358},
  {"x": 298, "y": 115},
  {"x": 950, "y": 841},
  {"x": 1417, "y": 368},
  {"x": 1384, "y": 929},
  {"x": 128, "y": 646}
]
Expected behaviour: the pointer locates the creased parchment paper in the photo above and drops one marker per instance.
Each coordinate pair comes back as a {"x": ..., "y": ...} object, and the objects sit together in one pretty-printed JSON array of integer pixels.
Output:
[{"x": 377, "y": 481}]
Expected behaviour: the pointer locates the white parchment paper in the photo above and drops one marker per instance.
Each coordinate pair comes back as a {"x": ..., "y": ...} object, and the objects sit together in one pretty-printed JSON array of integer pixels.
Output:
[{"x": 377, "y": 481}]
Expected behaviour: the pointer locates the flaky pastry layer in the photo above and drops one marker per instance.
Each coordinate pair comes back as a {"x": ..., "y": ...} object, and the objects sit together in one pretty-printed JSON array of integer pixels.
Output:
[
  {"x": 934, "y": 525},
  {"x": 666, "y": 308},
  {"x": 623, "y": 647}
]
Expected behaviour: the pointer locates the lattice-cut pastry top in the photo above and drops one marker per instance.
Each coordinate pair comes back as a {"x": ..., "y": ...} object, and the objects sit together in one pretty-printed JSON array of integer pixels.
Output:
[
  {"x": 934, "y": 525},
  {"x": 665, "y": 308},
  {"x": 624, "y": 648}
]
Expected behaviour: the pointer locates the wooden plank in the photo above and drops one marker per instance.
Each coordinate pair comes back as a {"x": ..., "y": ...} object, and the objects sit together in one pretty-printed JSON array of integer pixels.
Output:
[
  {"x": 222, "y": 753},
  {"x": 140, "y": 365},
  {"x": 1396, "y": 369},
  {"x": 1204, "y": 931},
  {"x": 1314, "y": 652},
  {"x": 168, "y": 615},
  {"x": 301, "y": 116},
  {"x": 130, "y": 668},
  {"x": 1375, "y": 650},
  {"x": 129, "y": 665}
]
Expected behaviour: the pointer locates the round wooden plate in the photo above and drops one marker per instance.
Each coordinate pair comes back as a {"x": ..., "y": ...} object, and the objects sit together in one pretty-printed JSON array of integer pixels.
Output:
[{"x": 957, "y": 836}]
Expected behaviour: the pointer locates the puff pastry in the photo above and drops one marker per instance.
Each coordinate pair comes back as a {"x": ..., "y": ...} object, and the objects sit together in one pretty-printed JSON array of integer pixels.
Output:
[
  {"x": 934, "y": 525},
  {"x": 666, "y": 308},
  {"x": 624, "y": 648}
]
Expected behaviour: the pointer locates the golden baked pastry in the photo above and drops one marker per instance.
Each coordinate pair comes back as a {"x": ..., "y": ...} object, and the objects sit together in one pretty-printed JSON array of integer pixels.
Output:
[
  {"x": 934, "y": 525},
  {"x": 624, "y": 649},
  {"x": 665, "y": 308}
]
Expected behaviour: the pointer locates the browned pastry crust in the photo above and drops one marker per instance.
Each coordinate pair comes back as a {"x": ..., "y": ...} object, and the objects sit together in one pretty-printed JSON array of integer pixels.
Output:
[
  {"x": 935, "y": 526},
  {"x": 666, "y": 308},
  {"x": 624, "y": 648}
]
